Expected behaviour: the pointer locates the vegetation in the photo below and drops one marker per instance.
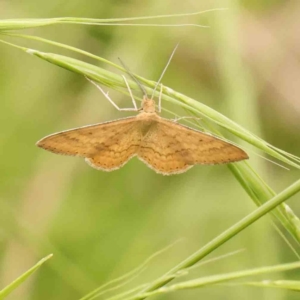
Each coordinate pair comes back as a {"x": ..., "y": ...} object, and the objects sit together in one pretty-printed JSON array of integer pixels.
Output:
[{"x": 100, "y": 225}]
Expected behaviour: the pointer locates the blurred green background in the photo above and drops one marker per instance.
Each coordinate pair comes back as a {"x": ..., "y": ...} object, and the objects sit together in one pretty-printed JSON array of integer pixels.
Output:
[{"x": 101, "y": 225}]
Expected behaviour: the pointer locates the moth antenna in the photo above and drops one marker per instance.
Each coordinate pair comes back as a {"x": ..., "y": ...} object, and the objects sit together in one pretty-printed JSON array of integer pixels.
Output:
[
  {"x": 133, "y": 77},
  {"x": 164, "y": 70}
]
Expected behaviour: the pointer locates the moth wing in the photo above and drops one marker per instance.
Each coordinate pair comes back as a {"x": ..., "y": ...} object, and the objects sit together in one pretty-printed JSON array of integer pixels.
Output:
[
  {"x": 171, "y": 148},
  {"x": 105, "y": 146}
]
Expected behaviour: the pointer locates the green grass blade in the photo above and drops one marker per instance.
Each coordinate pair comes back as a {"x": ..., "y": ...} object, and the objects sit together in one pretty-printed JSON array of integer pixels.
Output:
[
  {"x": 116, "y": 20},
  {"x": 201, "y": 282},
  {"x": 124, "y": 279},
  {"x": 124, "y": 295},
  {"x": 260, "y": 193},
  {"x": 225, "y": 236},
  {"x": 293, "y": 285},
  {"x": 74, "y": 49},
  {"x": 98, "y": 292},
  {"x": 12, "y": 286},
  {"x": 14, "y": 24}
]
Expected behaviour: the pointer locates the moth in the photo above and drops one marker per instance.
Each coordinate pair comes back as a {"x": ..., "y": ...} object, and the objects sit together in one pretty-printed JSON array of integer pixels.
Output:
[{"x": 164, "y": 145}]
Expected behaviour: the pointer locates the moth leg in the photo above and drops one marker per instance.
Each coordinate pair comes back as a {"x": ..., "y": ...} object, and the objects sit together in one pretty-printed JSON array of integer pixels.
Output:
[
  {"x": 109, "y": 99},
  {"x": 132, "y": 98},
  {"x": 159, "y": 98}
]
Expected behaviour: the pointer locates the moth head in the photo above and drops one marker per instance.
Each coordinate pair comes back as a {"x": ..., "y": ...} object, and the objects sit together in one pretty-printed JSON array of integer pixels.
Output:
[{"x": 148, "y": 105}]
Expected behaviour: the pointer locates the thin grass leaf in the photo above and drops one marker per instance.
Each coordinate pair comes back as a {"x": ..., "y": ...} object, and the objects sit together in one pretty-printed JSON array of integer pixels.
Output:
[
  {"x": 126, "y": 277},
  {"x": 293, "y": 285},
  {"x": 214, "y": 259},
  {"x": 224, "y": 237},
  {"x": 115, "y": 20},
  {"x": 12, "y": 286},
  {"x": 14, "y": 24},
  {"x": 64, "y": 46},
  {"x": 98, "y": 292},
  {"x": 215, "y": 279},
  {"x": 260, "y": 193},
  {"x": 126, "y": 293}
]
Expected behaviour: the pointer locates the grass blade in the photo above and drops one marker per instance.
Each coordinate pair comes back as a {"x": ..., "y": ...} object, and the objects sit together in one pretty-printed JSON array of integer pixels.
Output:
[
  {"x": 15, "y": 24},
  {"x": 12, "y": 286},
  {"x": 293, "y": 285},
  {"x": 201, "y": 282},
  {"x": 260, "y": 193},
  {"x": 225, "y": 236},
  {"x": 124, "y": 279}
]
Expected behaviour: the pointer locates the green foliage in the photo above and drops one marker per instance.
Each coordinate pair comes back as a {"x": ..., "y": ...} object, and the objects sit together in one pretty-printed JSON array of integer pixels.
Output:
[
  {"x": 11, "y": 287},
  {"x": 94, "y": 227}
]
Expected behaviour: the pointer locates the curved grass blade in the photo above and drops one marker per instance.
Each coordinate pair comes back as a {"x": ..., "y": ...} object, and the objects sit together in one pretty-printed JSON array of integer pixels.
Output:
[
  {"x": 12, "y": 286},
  {"x": 293, "y": 285},
  {"x": 223, "y": 238},
  {"x": 14, "y": 24},
  {"x": 126, "y": 277},
  {"x": 215, "y": 279},
  {"x": 260, "y": 193}
]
